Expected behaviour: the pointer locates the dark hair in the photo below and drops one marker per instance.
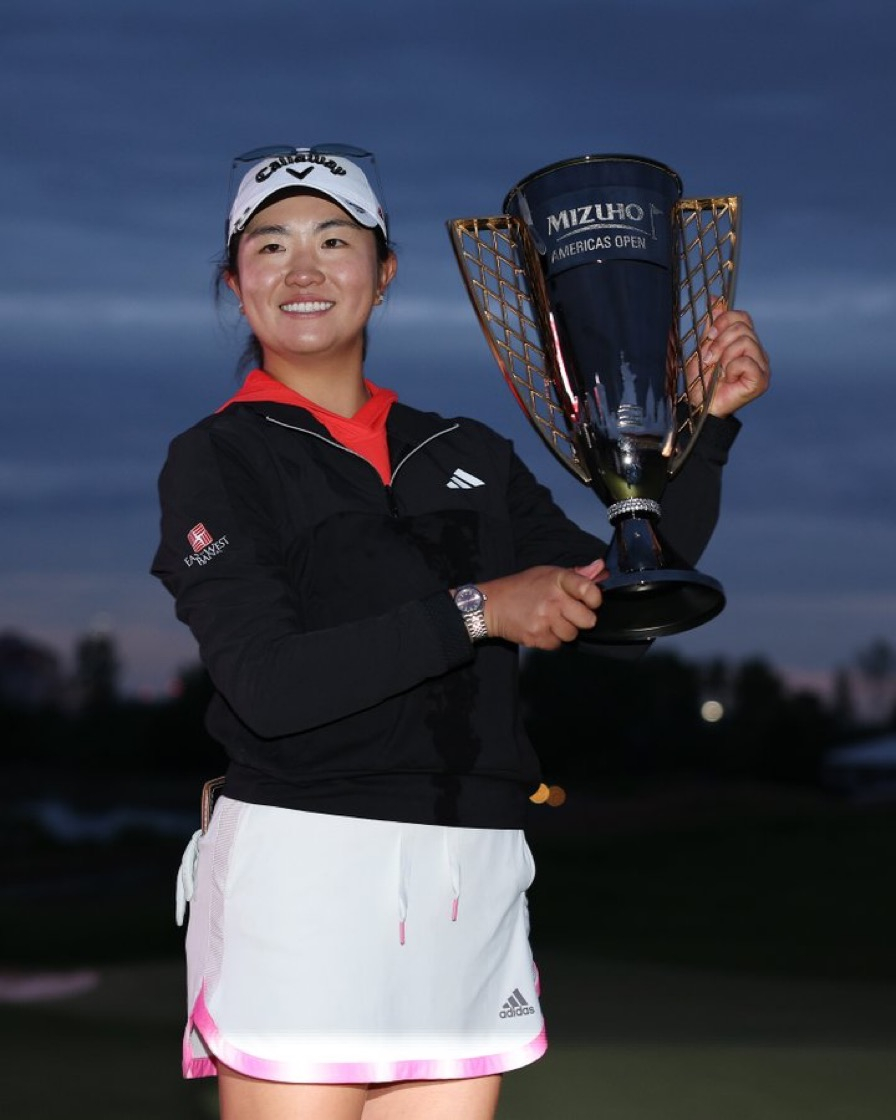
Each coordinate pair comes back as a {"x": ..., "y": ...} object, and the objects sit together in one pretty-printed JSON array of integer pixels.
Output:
[{"x": 251, "y": 355}]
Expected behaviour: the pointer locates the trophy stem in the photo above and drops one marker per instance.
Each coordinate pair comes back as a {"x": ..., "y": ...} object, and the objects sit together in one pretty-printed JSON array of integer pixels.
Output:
[{"x": 651, "y": 592}]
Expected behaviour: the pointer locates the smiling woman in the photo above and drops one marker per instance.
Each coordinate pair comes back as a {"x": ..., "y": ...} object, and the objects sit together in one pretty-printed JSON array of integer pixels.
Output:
[
  {"x": 265, "y": 175},
  {"x": 358, "y": 934},
  {"x": 307, "y": 277}
]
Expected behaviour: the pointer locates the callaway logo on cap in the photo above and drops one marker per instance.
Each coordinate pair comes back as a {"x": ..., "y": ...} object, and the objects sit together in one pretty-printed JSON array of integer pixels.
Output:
[{"x": 332, "y": 175}]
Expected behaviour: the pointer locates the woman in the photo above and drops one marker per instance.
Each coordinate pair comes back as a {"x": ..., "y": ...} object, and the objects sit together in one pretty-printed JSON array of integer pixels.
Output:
[{"x": 358, "y": 938}]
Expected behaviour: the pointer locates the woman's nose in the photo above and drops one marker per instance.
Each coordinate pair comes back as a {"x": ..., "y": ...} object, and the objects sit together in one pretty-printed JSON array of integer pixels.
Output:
[{"x": 303, "y": 270}]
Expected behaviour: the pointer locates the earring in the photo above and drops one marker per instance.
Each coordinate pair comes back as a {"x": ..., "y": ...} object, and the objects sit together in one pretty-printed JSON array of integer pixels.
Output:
[
  {"x": 242, "y": 310},
  {"x": 379, "y": 298}
]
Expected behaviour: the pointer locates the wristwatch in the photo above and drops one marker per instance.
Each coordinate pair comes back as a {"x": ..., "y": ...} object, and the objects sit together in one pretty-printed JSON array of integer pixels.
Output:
[{"x": 469, "y": 599}]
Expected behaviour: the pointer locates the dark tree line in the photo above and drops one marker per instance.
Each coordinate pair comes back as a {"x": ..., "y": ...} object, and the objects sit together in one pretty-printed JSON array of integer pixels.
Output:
[
  {"x": 619, "y": 718},
  {"x": 592, "y": 718}
]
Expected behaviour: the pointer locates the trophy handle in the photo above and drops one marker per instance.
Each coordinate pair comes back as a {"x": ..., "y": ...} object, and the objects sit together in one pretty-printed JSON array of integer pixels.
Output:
[
  {"x": 492, "y": 254},
  {"x": 503, "y": 277},
  {"x": 706, "y": 238}
]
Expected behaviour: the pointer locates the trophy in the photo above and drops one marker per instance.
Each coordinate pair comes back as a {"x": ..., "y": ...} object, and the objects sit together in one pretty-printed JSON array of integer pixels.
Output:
[{"x": 595, "y": 288}]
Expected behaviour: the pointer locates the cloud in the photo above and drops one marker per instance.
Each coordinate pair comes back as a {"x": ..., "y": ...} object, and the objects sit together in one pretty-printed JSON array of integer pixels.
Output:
[
  {"x": 842, "y": 302},
  {"x": 101, "y": 311},
  {"x": 106, "y": 482},
  {"x": 794, "y": 630}
]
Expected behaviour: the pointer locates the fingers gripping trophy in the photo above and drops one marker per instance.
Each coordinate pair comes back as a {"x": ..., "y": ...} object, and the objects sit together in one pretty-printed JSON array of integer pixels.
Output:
[{"x": 595, "y": 288}]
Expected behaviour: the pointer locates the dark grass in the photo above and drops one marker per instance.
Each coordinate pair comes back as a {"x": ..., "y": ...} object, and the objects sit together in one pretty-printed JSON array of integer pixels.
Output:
[
  {"x": 801, "y": 893},
  {"x": 91, "y": 904},
  {"x": 59, "y": 1065},
  {"x": 702, "y": 1082}
]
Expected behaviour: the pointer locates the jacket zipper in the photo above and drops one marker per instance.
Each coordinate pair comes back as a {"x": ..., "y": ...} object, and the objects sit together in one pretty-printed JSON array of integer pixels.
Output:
[{"x": 390, "y": 496}]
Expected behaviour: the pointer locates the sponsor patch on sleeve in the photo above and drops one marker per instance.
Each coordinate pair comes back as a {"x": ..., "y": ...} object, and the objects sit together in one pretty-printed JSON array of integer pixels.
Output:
[{"x": 204, "y": 545}]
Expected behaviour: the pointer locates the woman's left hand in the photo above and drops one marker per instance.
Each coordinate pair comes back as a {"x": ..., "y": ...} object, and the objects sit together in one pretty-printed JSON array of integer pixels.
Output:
[{"x": 744, "y": 371}]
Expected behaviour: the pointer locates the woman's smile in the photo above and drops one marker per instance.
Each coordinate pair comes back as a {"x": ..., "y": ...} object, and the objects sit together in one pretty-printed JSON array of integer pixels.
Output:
[{"x": 306, "y": 307}]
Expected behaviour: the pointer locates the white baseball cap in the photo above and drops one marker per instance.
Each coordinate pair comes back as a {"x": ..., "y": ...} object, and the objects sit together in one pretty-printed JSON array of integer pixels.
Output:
[{"x": 313, "y": 169}]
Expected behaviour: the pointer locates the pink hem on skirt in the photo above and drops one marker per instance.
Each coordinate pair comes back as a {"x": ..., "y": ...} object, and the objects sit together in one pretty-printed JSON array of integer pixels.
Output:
[{"x": 345, "y": 1073}]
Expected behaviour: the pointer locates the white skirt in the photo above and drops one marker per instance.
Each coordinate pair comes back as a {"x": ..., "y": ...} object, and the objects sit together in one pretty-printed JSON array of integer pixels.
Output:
[{"x": 332, "y": 949}]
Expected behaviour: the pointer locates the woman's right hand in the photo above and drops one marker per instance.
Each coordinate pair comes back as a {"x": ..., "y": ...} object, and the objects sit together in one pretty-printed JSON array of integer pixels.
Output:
[{"x": 545, "y": 606}]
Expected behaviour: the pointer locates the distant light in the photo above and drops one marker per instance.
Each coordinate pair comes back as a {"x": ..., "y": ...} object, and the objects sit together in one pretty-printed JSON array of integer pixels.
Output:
[{"x": 711, "y": 711}]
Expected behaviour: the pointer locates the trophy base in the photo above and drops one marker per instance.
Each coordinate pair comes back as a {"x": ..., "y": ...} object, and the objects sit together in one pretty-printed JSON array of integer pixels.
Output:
[{"x": 654, "y": 604}]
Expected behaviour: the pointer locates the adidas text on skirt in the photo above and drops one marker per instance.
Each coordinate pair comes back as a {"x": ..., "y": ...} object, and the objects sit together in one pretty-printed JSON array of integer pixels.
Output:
[{"x": 332, "y": 949}]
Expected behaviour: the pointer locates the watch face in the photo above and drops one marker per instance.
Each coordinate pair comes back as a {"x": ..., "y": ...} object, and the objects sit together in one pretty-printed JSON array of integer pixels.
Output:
[{"x": 468, "y": 598}]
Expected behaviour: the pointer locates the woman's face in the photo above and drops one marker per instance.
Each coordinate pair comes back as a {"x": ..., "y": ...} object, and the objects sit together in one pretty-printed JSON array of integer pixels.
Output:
[{"x": 307, "y": 277}]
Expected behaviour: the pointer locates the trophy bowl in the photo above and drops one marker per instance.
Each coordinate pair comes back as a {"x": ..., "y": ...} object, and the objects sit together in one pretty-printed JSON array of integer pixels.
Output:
[{"x": 595, "y": 288}]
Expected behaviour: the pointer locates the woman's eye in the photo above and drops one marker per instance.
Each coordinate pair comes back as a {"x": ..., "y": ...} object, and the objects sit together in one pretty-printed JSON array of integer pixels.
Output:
[
  {"x": 270, "y": 247},
  {"x": 333, "y": 243}
]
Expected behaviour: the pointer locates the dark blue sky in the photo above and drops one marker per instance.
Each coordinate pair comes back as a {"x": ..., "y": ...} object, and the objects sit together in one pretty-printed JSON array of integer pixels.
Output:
[{"x": 120, "y": 123}]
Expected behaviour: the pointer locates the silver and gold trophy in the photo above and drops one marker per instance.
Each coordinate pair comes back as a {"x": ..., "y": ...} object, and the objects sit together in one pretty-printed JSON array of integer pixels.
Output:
[{"x": 595, "y": 288}]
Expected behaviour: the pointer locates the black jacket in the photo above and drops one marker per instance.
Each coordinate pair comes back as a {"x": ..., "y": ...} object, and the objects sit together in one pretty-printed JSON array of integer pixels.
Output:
[{"x": 345, "y": 680}]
